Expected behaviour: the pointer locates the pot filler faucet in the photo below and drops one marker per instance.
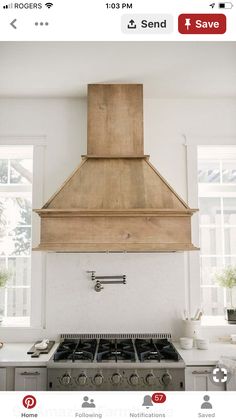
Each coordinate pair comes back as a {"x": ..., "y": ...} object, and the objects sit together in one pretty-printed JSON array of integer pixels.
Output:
[{"x": 106, "y": 280}]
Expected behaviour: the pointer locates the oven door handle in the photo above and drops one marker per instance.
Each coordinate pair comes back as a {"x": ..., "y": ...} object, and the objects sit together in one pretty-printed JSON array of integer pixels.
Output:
[
  {"x": 206, "y": 372},
  {"x": 25, "y": 373}
]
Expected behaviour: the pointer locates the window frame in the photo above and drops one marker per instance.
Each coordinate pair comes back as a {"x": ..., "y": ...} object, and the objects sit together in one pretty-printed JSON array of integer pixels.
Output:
[
  {"x": 38, "y": 271},
  {"x": 13, "y": 190},
  {"x": 192, "y": 283}
]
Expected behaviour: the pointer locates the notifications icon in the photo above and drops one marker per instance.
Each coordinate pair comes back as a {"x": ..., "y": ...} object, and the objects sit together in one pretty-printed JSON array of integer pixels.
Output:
[{"x": 147, "y": 401}]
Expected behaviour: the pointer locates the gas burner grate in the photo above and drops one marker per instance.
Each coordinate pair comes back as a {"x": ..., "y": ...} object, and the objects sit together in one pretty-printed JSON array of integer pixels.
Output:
[
  {"x": 156, "y": 349},
  {"x": 76, "y": 350},
  {"x": 115, "y": 350}
]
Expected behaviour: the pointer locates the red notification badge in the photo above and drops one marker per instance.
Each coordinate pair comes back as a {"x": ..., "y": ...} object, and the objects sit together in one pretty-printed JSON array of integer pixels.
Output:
[{"x": 158, "y": 398}]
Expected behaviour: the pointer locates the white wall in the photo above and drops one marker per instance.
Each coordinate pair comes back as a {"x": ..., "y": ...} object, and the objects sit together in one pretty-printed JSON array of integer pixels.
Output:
[
  {"x": 150, "y": 302},
  {"x": 154, "y": 296}
]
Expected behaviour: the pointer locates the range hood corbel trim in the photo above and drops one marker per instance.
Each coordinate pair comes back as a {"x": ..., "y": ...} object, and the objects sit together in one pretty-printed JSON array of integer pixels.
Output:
[
  {"x": 127, "y": 156},
  {"x": 147, "y": 212},
  {"x": 114, "y": 248}
]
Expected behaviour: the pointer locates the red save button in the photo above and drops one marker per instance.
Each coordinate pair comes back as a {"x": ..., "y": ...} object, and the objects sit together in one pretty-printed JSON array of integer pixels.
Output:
[{"x": 202, "y": 24}]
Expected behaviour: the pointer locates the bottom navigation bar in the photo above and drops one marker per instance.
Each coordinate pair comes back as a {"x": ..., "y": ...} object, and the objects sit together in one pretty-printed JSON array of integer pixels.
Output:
[{"x": 179, "y": 405}]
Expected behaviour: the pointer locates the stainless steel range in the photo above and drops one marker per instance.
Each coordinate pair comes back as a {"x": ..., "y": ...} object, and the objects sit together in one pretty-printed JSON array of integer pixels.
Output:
[{"x": 116, "y": 362}]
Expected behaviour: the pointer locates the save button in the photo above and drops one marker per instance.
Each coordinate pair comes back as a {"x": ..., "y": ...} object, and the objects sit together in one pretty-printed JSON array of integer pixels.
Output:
[{"x": 202, "y": 24}]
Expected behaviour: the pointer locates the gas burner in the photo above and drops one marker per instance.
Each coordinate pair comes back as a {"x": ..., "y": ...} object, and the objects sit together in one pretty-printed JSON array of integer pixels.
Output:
[
  {"x": 155, "y": 350},
  {"x": 116, "y": 350},
  {"x": 76, "y": 350}
]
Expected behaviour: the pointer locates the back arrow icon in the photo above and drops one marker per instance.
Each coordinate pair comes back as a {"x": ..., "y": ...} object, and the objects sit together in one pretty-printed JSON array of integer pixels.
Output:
[{"x": 13, "y": 23}]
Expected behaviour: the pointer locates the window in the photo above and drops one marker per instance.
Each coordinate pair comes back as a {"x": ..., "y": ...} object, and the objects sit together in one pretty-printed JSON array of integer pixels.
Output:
[
  {"x": 16, "y": 171},
  {"x": 217, "y": 205}
]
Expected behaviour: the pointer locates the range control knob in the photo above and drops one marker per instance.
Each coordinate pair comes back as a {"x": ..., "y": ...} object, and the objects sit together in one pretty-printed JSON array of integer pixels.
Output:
[
  {"x": 82, "y": 379},
  {"x": 150, "y": 379},
  {"x": 116, "y": 378},
  {"x": 166, "y": 379},
  {"x": 98, "y": 379},
  {"x": 66, "y": 379},
  {"x": 134, "y": 379}
]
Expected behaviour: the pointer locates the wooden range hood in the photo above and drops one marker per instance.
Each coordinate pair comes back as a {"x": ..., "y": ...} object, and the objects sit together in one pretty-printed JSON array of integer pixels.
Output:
[{"x": 116, "y": 200}]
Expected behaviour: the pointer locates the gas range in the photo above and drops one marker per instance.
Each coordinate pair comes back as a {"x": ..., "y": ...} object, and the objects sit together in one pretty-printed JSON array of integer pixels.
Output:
[{"x": 116, "y": 362}]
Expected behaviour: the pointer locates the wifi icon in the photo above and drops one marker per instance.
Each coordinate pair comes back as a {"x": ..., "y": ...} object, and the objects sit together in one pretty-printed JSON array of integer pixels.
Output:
[{"x": 49, "y": 5}]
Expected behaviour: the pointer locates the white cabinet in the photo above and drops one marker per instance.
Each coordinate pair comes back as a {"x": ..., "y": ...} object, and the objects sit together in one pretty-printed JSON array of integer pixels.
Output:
[
  {"x": 231, "y": 384},
  {"x": 198, "y": 379},
  {"x": 31, "y": 379},
  {"x": 3, "y": 379}
]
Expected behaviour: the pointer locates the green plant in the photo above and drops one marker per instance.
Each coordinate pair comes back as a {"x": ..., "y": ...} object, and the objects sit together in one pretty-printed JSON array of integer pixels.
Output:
[
  {"x": 4, "y": 276},
  {"x": 227, "y": 279}
]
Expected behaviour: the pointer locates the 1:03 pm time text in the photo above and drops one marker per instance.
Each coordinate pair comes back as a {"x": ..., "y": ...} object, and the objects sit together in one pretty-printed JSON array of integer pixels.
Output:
[{"x": 119, "y": 5}]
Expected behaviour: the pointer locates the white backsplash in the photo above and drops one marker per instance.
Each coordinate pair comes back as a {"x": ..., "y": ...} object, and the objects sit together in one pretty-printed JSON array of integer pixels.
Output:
[{"x": 151, "y": 301}]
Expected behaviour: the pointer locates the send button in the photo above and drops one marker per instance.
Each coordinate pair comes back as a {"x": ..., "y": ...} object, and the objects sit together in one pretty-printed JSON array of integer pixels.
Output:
[{"x": 147, "y": 24}]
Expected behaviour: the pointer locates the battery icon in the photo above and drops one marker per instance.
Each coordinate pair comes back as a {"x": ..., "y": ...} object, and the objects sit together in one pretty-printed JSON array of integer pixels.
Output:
[{"x": 226, "y": 5}]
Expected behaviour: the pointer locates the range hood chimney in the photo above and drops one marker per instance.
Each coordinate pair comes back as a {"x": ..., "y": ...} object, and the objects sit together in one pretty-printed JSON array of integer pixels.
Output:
[{"x": 116, "y": 200}]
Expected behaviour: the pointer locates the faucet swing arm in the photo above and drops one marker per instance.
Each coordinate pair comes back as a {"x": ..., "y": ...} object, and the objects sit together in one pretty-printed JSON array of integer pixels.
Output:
[{"x": 106, "y": 280}]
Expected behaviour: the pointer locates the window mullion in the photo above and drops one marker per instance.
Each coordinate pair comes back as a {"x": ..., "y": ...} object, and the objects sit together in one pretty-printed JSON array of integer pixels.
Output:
[
  {"x": 221, "y": 172},
  {"x": 8, "y": 172}
]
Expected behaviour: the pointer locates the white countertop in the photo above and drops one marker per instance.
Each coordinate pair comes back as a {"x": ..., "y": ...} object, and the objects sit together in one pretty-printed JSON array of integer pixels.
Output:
[
  {"x": 209, "y": 356},
  {"x": 15, "y": 354}
]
